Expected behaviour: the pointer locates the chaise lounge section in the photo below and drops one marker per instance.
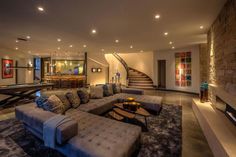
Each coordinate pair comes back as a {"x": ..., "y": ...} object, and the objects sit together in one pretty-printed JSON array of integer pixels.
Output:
[{"x": 96, "y": 136}]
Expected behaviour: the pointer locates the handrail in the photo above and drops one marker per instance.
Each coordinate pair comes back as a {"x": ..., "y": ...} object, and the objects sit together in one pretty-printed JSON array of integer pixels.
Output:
[{"x": 123, "y": 63}]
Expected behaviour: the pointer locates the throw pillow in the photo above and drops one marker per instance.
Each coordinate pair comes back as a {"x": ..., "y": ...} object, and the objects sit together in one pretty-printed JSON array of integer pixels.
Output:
[
  {"x": 40, "y": 100},
  {"x": 64, "y": 100},
  {"x": 107, "y": 90},
  {"x": 96, "y": 92},
  {"x": 116, "y": 88},
  {"x": 73, "y": 99},
  {"x": 54, "y": 104},
  {"x": 83, "y": 95}
]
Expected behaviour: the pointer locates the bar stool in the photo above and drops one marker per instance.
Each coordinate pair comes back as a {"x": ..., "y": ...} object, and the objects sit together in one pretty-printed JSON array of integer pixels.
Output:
[
  {"x": 73, "y": 83},
  {"x": 65, "y": 83}
]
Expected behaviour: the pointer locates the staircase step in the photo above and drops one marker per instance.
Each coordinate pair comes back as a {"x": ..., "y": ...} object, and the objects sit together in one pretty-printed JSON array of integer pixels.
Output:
[
  {"x": 140, "y": 87},
  {"x": 137, "y": 76},
  {"x": 140, "y": 81},
  {"x": 135, "y": 72},
  {"x": 140, "y": 84}
]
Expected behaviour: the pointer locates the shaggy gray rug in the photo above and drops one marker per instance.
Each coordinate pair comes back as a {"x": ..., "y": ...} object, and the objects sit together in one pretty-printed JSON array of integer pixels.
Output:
[{"x": 163, "y": 138}]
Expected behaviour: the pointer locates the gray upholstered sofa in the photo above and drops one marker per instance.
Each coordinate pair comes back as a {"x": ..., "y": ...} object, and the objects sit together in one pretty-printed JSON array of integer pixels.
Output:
[{"x": 96, "y": 136}]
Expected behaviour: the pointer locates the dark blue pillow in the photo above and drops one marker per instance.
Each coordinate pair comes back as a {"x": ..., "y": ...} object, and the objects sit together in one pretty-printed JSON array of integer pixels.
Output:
[{"x": 40, "y": 101}]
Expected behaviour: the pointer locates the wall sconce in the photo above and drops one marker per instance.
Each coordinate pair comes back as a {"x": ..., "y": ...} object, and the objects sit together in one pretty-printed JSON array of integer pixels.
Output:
[
  {"x": 99, "y": 70},
  {"x": 96, "y": 70},
  {"x": 29, "y": 66}
]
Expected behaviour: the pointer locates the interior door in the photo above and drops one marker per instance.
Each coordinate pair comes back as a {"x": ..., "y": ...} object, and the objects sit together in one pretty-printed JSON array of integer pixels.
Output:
[{"x": 161, "y": 73}]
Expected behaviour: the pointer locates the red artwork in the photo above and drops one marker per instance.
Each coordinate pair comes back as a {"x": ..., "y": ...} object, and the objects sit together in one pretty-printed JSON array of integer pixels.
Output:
[{"x": 7, "y": 68}]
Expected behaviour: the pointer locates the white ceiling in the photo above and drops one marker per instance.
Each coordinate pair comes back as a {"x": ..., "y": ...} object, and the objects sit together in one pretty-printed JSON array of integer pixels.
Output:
[{"x": 130, "y": 21}]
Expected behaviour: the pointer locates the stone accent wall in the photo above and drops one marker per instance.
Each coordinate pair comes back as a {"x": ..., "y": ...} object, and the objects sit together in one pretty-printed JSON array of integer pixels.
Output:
[
  {"x": 222, "y": 47},
  {"x": 203, "y": 62}
]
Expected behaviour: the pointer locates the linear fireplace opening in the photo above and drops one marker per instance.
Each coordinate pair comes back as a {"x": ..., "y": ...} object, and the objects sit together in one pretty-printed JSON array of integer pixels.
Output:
[{"x": 227, "y": 109}]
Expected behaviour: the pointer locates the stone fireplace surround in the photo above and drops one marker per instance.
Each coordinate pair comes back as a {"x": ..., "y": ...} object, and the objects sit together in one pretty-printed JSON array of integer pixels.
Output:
[
  {"x": 220, "y": 132},
  {"x": 227, "y": 94}
]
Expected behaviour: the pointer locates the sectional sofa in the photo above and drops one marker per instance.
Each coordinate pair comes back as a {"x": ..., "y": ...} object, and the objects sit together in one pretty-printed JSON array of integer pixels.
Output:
[{"x": 90, "y": 134}]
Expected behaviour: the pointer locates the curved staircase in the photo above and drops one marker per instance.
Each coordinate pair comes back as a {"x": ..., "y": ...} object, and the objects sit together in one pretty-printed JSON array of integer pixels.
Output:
[
  {"x": 136, "y": 79},
  {"x": 139, "y": 80}
]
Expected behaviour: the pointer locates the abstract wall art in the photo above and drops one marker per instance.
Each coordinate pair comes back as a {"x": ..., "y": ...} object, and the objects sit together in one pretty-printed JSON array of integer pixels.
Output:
[
  {"x": 7, "y": 68},
  {"x": 183, "y": 77}
]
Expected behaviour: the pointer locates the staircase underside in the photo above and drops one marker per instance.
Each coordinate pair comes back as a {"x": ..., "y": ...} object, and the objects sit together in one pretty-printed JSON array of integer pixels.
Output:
[{"x": 139, "y": 80}]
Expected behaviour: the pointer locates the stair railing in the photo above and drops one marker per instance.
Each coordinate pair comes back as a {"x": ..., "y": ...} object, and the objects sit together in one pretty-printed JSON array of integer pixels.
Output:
[{"x": 123, "y": 63}]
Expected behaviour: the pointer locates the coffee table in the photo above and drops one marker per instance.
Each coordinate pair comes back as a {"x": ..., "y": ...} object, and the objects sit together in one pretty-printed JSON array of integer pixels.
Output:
[{"x": 119, "y": 109}]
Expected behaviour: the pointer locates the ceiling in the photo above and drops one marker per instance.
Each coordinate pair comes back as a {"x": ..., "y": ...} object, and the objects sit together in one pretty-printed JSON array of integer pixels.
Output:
[{"x": 131, "y": 22}]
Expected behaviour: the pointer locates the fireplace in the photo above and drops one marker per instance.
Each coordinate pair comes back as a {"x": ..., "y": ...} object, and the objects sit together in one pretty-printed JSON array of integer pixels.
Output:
[{"x": 231, "y": 113}]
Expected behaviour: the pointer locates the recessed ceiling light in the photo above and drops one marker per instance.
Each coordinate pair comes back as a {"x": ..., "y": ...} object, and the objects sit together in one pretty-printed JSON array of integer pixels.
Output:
[
  {"x": 17, "y": 41},
  {"x": 16, "y": 48},
  {"x": 116, "y": 40},
  {"x": 157, "y": 16},
  {"x": 201, "y": 27},
  {"x": 131, "y": 46},
  {"x": 170, "y": 42},
  {"x": 71, "y": 46},
  {"x": 28, "y": 37},
  {"x": 166, "y": 33},
  {"x": 84, "y": 46},
  {"x": 173, "y": 47},
  {"x": 58, "y": 48},
  {"x": 40, "y": 8},
  {"x": 94, "y": 31},
  {"x": 58, "y": 39}
]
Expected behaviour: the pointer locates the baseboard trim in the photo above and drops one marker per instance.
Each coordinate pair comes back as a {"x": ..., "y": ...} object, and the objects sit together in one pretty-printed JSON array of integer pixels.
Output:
[{"x": 172, "y": 90}]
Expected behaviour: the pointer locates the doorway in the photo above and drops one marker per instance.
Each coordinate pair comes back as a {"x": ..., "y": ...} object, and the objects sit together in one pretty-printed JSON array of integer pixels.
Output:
[
  {"x": 161, "y": 73},
  {"x": 37, "y": 70}
]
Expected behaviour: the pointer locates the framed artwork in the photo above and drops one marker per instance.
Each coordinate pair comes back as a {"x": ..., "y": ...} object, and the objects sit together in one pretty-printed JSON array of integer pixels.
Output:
[
  {"x": 183, "y": 71},
  {"x": 7, "y": 68}
]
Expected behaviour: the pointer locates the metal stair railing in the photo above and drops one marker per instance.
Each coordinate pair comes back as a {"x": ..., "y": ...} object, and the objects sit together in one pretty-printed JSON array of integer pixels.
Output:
[{"x": 123, "y": 63}]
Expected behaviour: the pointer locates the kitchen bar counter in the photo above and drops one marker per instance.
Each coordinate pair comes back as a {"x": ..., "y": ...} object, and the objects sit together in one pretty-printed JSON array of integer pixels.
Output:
[{"x": 66, "y": 81}]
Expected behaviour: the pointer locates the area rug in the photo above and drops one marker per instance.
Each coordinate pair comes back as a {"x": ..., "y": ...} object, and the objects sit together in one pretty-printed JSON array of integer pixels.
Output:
[{"x": 163, "y": 138}]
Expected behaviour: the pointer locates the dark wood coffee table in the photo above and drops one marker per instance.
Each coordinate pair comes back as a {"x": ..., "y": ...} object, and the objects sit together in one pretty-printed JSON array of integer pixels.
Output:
[{"x": 119, "y": 109}]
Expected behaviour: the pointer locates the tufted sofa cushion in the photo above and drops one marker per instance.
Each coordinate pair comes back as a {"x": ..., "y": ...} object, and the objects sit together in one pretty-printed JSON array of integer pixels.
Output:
[
  {"x": 99, "y": 106},
  {"x": 102, "y": 137},
  {"x": 132, "y": 91},
  {"x": 33, "y": 116},
  {"x": 153, "y": 103}
]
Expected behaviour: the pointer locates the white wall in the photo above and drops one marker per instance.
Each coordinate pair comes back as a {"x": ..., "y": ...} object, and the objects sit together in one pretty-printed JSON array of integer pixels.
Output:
[
  {"x": 169, "y": 56},
  {"x": 97, "y": 60},
  {"x": 114, "y": 67},
  {"x": 140, "y": 61},
  {"x": 24, "y": 75}
]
